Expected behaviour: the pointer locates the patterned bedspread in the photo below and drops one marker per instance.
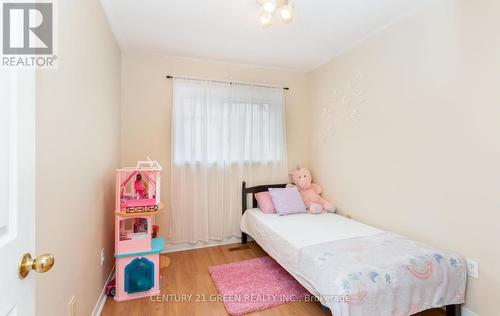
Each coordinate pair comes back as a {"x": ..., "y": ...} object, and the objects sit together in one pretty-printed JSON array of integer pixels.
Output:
[{"x": 381, "y": 275}]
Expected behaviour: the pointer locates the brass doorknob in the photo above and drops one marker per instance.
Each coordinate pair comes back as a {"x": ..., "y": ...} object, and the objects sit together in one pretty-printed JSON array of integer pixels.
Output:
[{"x": 41, "y": 264}]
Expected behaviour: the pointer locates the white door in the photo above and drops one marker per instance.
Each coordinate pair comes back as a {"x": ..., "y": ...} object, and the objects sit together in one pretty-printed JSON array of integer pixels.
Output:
[{"x": 17, "y": 189}]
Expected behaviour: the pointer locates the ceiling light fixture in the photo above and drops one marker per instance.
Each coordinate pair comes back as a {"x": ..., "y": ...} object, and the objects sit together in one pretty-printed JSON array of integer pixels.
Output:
[
  {"x": 266, "y": 19},
  {"x": 286, "y": 13},
  {"x": 270, "y": 7}
]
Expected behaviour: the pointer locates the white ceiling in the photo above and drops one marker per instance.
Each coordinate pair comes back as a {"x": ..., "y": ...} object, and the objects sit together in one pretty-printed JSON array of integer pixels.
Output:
[{"x": 229, "y": 30}]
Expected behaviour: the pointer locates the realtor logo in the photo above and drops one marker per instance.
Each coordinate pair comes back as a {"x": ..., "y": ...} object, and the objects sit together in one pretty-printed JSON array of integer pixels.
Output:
[{"x": 28, "y": 34}]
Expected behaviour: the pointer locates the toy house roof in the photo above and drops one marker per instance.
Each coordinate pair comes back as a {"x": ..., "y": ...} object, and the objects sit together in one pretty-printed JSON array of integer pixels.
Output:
[{"x": 144, "y": 165}]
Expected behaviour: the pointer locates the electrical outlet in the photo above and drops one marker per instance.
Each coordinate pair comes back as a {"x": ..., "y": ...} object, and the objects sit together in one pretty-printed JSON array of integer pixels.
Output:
[
  {"x": 472, "y": 269},
  {"x": 72, "y": 306},
  {"x": 102, "y": 256}
]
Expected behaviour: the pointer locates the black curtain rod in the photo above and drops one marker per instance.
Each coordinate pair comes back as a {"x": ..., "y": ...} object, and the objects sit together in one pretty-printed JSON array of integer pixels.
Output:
[{"x": 230, "y": 82}]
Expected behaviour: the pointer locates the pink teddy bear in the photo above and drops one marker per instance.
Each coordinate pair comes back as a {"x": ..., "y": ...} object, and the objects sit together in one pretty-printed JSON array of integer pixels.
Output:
[{"x": 310, "y": 192}]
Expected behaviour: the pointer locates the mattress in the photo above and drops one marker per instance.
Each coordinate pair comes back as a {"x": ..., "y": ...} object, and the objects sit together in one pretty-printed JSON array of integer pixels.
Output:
[
  {"x": 355, "y": 269},
  {"x": 283, "y": 237}
]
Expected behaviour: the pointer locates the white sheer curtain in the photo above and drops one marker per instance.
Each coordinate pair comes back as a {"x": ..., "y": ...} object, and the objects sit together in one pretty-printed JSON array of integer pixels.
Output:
[{"x": 222, "y": 134}]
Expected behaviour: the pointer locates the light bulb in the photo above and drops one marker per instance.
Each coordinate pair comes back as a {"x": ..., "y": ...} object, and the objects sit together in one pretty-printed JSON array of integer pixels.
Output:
[
  {"x": 286, "y": 13},
  {"x": 269, "y": 6},
  {"x": 265, "y": 19}
]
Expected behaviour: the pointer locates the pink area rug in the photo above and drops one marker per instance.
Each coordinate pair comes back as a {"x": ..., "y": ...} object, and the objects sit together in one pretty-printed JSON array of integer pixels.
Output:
[{"x": 253, "y": 285}]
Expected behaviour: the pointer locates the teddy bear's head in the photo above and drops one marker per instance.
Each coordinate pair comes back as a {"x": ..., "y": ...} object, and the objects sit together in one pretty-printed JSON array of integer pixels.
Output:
[{"x": 302, "y": 178}]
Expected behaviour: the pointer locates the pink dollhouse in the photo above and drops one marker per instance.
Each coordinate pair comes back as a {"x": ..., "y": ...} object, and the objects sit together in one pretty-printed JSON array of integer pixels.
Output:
[
  {"x": 138, "y": 188},
  {"x": 137, "y": 253}
]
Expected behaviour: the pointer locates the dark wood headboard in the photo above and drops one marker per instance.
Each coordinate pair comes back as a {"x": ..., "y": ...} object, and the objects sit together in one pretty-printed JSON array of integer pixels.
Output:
[{"x": 252, "y": 190}]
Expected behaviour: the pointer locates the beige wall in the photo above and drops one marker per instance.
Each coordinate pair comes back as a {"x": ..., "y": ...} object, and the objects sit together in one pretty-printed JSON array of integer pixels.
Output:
[
  {"x": 423, "y": 159},
  {"x": 147, "y": 104},
  {"x": 78, "y": 130}
]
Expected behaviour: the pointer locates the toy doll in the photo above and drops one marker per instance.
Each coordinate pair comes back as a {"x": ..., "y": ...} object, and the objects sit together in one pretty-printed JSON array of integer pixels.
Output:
[{"x": 139, "y": 186}]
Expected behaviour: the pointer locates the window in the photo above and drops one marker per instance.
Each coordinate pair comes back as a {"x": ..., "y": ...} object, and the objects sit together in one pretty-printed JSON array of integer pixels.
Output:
[{"x": 218, "y": 123}]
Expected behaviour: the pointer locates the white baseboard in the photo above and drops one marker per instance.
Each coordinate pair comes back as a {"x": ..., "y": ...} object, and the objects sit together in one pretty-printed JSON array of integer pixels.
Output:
[
  {"x": 201, "y": 244},
  {"x": 467, "y": 312},
  {"x": 99, "y": 305}
]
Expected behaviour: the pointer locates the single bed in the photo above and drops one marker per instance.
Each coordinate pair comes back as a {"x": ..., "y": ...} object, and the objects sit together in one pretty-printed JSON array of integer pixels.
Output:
[{"x": 353, "y": 268}]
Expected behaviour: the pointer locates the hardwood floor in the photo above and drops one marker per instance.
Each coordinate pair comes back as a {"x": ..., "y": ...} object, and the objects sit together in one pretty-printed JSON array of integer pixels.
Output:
[{"x": 186, "y": 273}]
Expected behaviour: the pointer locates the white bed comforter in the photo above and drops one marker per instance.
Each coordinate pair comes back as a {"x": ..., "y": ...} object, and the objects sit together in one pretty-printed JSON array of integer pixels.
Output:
[
  {"x": 282, "y": 237},
  {"x": 384, "y": 274}
]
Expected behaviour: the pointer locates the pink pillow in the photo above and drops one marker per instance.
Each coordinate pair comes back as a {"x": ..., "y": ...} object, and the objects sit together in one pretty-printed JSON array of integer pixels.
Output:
[{"x": 265, "y": 203}]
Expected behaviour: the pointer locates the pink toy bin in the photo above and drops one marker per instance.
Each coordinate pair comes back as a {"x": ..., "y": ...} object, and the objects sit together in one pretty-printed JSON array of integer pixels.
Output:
[{"x": 138, "y": 275}]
